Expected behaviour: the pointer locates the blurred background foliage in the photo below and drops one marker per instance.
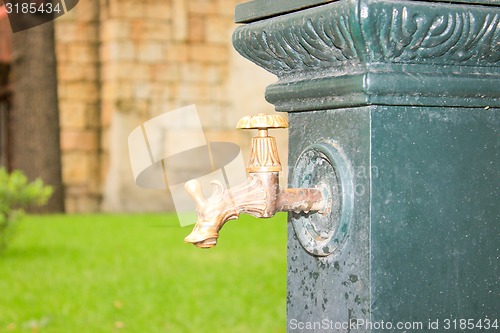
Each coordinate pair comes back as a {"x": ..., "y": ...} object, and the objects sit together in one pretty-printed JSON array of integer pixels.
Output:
[{"x": 17, "y": 193}]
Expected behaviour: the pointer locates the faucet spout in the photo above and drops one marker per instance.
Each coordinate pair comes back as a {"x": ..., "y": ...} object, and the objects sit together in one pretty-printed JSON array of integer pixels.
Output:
[
  {"x": 259, "y": 196},
  {"x": 223, "y": 205}
]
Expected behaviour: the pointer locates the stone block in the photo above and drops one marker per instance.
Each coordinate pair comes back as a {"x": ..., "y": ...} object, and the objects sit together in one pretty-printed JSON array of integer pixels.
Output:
[
  {"x": 150, "y": 51},
  {"x": 125, "y": 105},
  {"x": 93, "y": 115},
  {"x": 94, "y": 185},
  {"x": 82, "y": 203},
  {"x": 127, "y": 9},
  {"x": 86, "y": 11},
  {"x": 226, "y": 7},
  {"x": 150, "y": 30},
  {"x": 197, "y": 92},
  {"x": 79, "y": 53},
  {"x": 105, "y": 53},
  {"x": 161, "y": 92},
  {"x": 62, "y": 52},
  {"x": 120, "y": 50},
  {"x": 78, "y": 91},
  {"x": 160, "y": 106},
  {"x": 203, "y": 7},
  {"x": 117, "y": 71},
  {"x": 107, "y": 109},
  {"x": 104, "y": 166},
  {"x": 72, "y": 115},
  {"x": 218, "y": 29},
  {"x": 65, "y": 31},
  {"x": 116, "y": 90},
  {"x": 161, "y": 10},
  {"x": 115, "y": 29},
  {"x": 209, "y": 53},
  {"x": 69, "y": 32},
  {"x": 70, "y": 203},
  {"x": 142, "y": 109},
  {"x": 218, "y": 94},
  {"x": 196, "y": 28},
  {"x": 192, "y": 72},
  {"x": 228, "y": 135},
  {"x": 197, "y": 72},
  {"x": 110, "y": 71},
  {"x": 115, "y": 50},
  {"x": 79, "y": 140},
  {"x": 92, "y": 98},
  {"x": 77, "y": 190},
  {"x": 141, "y": 90},
  {"x": 87, "y": 32},
  {"x": 105, "y": 141},
  {"x": 68, "y": 72},
  {"x": 91, "y": 204},
  {"x": 210, "y": 115},
  {"x": 164, "y": 73},
  {"x": 179, "y": 20},
  {"x": 176, "y": 52},
  {"x": 75, "y": 168},
  {"x": 217, "y": 73}
]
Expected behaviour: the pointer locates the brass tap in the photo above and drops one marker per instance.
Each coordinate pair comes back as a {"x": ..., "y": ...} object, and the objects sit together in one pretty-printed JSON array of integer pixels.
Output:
[{"x": 260, "y": 196}]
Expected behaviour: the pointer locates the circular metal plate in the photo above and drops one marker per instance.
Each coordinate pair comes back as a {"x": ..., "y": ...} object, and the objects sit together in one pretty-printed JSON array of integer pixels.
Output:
[{"x": 323, "y": 166}]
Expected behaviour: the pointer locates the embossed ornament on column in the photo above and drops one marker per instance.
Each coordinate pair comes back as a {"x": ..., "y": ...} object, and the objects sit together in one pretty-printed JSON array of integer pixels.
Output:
[{"x": 363, "y": 52}]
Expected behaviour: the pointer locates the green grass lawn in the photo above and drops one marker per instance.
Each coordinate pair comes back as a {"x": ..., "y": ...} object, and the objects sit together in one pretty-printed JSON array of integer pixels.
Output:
[{"x": 133, "y": 273}]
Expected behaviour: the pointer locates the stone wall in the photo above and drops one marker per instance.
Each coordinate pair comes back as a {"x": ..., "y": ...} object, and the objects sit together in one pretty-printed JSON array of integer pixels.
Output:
[
  {"x": 122, "y": 62},
  {"x": 77, "y": 41}
]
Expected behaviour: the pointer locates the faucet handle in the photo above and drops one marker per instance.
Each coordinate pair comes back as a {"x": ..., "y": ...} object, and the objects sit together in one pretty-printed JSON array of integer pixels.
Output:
[
  {"x": 262, "y": 122},
  {"x": 264, "y": 152}
]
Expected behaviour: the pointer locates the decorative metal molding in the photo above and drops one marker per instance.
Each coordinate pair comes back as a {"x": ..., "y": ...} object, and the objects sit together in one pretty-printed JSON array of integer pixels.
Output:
[
  {"x": 410, "y": 85},
  {"x": 415, "y": 33},
  {"x": 298, "y": 42},
  {"x": 264, "y": 155},
  {"x": 362, "y": 52},
  {"x": 390, "y": 31}
]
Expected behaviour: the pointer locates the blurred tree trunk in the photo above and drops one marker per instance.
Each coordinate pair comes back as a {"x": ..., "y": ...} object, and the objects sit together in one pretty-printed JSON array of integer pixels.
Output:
[{"x": 35, "y": 116}]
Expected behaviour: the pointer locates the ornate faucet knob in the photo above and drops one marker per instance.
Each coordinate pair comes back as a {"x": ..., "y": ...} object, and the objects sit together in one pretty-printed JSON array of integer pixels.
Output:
[
  {"x": 264, "y": 153},
  {"x": 262, "y": 122}
]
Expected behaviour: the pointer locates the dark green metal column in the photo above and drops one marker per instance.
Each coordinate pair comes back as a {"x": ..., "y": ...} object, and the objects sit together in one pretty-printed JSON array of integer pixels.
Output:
[{"x": 395, "y": 104}]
